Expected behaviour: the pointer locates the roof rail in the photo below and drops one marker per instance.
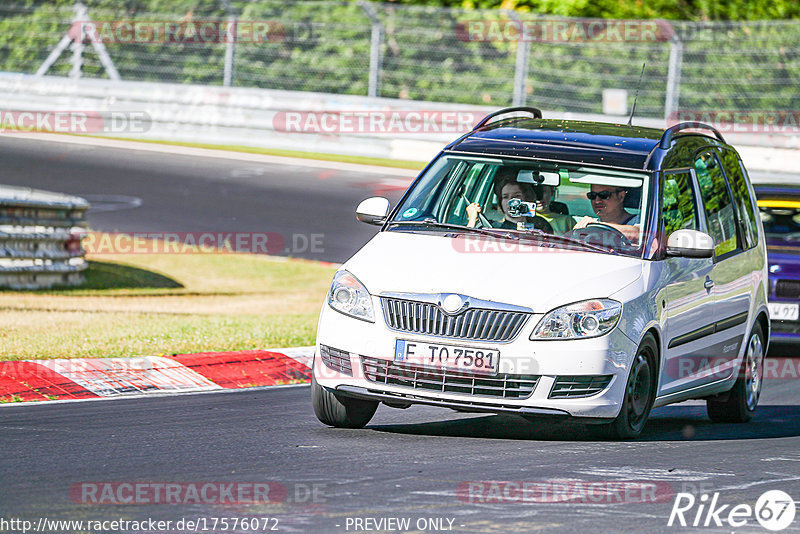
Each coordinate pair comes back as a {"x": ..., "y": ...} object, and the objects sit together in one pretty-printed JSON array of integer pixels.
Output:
[
  {"x": 666, "y": 138},
  {"x": 537, "y": 114}
]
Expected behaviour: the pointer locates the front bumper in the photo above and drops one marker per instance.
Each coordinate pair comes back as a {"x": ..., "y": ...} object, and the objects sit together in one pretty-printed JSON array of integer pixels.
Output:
[
  {"x": 609, "y": 355},
  {"x": 784, "y": 332}
]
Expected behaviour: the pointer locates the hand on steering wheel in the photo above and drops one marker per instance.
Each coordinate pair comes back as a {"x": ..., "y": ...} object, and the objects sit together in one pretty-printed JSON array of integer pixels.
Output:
[{"x": 624, "y": 240}]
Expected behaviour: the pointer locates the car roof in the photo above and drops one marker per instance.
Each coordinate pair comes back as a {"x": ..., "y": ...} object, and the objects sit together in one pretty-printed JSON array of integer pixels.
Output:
[
  {"x": 774, "y": 190},
  {"x": 598, "y": 143}
]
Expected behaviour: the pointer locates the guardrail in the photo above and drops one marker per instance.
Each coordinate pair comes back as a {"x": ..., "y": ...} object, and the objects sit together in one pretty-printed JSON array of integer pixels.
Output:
[
  {"x": 40, "y": 239},
  {"x": 252, "y": 117}
]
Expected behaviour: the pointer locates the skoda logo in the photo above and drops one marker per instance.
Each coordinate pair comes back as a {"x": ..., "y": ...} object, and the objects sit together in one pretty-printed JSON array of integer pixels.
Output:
[{"x": 453, "y": 303}]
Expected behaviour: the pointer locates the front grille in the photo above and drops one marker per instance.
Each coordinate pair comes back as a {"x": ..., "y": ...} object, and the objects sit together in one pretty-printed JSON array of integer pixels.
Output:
[
  {"x": 336, "y": 359},
  {"x": 579, "y": 386},
  {"x": 397, "y": 374},
  {"x": 787, "y": 289},
  {"x": 475, "y": 323}
]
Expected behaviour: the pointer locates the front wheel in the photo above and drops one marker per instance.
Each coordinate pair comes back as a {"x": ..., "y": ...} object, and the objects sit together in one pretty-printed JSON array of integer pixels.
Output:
[
  {"x": 338, "y": 411},
  {"x": 742, "y": 400},
  {"x": 639, "y": 392}
]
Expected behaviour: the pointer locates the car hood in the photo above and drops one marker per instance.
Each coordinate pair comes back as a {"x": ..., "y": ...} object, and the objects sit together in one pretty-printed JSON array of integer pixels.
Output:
[{"x": 399, "y": 262}]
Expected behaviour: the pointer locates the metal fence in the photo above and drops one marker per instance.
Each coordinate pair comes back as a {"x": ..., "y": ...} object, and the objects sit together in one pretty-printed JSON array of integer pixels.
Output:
[
  {"x": 419, "y": 53},
  {"x": 40, "y": 239}
]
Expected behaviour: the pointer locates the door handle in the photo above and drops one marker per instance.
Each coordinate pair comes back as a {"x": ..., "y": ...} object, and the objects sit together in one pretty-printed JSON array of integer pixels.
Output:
[{"x": 709, "y": 283}]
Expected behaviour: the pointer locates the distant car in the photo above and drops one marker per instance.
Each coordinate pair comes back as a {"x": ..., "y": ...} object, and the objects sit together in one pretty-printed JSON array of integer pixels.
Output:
[
  {"x": 780, "y": 213},
  {"x": 554, "y": 268}
]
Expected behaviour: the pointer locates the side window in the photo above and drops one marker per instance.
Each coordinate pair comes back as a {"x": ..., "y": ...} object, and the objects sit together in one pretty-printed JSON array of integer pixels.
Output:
[
  {"x": 717, "y": 203},
  {"x": 748, "y": 219},
  {"x": 679, "y": 208}
]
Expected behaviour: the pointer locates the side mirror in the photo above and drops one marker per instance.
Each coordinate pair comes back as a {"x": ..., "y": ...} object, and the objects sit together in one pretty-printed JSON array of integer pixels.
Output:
[
  {"x": 373, "y": 210},
  {"x": 690, "y": 244}
]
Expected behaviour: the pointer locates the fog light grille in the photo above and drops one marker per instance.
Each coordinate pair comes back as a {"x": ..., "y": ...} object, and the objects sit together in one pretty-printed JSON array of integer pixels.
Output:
[
  {"x": 579, "y": 386},
  {"x": 396, "y": 374},
  {"x": 337, "y": 360},
  {"x": 787, "y": 289}
]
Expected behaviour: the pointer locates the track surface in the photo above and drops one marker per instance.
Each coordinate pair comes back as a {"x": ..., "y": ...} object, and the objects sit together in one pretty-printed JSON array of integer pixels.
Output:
[
  {"x": 178, "y": 193},
  {"x": 406, "y": 463}
]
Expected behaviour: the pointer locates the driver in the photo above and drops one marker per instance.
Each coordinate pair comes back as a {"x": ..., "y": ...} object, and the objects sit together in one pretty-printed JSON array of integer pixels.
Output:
[
  {"x": 608, "y": 204},
  {"x": 506, "y": 187}
]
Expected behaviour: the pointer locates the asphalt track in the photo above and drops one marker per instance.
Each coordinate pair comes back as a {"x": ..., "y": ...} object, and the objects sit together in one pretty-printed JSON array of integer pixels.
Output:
[
  {"x": 312, "y": 209},
  {"x": 406, "y": 463}
]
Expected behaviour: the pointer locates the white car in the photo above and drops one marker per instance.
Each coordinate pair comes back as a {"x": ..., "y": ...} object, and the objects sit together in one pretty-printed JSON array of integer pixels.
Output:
[{"x": 559, "y": 269}]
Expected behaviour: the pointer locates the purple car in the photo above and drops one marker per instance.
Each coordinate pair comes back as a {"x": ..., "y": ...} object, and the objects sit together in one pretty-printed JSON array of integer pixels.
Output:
[{"x": 780, "y": 213}]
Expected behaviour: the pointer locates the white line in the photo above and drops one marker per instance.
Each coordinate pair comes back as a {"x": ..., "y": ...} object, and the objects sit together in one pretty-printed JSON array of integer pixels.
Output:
[{"x": 757, "y": 483}]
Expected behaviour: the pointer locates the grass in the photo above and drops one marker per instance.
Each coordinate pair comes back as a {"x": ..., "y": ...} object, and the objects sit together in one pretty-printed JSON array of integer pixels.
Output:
[
  {"x": 152, "y": 304},
  {"x": 322, "y": 156}
]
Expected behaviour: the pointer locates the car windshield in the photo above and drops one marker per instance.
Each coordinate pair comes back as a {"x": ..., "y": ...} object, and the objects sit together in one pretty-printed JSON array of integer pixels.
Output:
[
  {"x": 781, "y": 219},
  {"x": 566, "y": 205}
]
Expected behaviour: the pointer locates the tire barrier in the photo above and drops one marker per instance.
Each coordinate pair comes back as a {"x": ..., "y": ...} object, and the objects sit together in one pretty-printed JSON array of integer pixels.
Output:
[{"x": 40, "y": 239}]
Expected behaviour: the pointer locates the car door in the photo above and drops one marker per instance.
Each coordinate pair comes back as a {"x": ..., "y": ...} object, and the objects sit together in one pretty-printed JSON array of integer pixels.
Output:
[
  {"x": 688, "y": 300},
  {"x": 731, "y": 275}
]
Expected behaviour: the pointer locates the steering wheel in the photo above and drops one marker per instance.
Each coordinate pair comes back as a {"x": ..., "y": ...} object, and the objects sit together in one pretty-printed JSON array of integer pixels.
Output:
[{"x": 619, "y": 236}]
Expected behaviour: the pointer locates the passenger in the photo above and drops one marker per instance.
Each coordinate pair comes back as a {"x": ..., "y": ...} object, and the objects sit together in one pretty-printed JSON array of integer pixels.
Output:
[
  {"x": 507, "y": 188},
  {"x": 560, "y": 222},
  {"x": 608, "y": 204}
]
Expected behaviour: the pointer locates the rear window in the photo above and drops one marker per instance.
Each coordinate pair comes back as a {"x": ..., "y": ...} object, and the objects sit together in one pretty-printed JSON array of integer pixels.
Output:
[
  {"x": 748, "y": 220},
  {"x": 717, "y": 203},
  {"x": 781, "y": 219}
]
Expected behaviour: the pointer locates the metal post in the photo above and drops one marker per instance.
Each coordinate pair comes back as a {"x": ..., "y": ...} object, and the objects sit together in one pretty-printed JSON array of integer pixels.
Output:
[
  {"x": 521, "y": 67},
  {"x": 521, "y": 73},
  {"x": 230, "y": 52},
  {"x": 84, "y": 23},
  {"x": 673, "y": 76},
  {"x": 376, "y": 41},
  {"x": 77, "y": 45},
  {"x": 53, "y": 56}
]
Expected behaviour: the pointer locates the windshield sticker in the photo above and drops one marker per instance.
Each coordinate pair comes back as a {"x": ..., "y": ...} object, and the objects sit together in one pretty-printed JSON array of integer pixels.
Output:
[{"x": 410, "y": 212}]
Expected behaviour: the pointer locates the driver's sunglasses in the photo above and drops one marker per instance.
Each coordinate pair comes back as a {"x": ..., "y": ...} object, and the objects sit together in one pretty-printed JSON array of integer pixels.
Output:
[{"x": 604, "y": 195}]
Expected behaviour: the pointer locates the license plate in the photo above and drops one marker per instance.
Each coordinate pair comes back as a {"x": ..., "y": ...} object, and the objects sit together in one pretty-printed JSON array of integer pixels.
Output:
[
  {"x": 784, "y": 311},
  {"x": 452, "y": 357}
]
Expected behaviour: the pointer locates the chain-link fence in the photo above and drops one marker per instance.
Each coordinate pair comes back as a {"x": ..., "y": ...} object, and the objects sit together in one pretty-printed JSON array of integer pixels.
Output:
[{"x": 422, "y": 53}]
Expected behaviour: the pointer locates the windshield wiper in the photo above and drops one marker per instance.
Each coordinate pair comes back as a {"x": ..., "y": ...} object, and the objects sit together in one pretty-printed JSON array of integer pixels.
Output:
[
  {"x": 485, "y": 231},
  {"x": 533, "y": 232}
]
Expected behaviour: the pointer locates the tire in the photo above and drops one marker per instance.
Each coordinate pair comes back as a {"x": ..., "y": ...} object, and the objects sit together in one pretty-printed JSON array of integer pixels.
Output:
[
  {"x": 741, "y": 402},
  {"x": 640, "y": 392},
  {"x": 338, "y": 411}
]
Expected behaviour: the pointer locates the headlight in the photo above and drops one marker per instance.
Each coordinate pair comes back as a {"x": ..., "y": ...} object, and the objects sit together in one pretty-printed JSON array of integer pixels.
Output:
[
  {"x": 350, "y": 297},
  {"x": 590, "y": 318}
]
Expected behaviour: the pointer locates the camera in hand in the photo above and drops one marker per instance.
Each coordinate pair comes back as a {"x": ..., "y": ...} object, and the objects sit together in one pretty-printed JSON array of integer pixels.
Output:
[{"x": 520, "y": 208}]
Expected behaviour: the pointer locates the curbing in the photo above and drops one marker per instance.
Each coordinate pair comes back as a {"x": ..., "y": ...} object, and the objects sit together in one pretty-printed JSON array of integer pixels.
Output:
[{"x": 90, "y": 378}]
